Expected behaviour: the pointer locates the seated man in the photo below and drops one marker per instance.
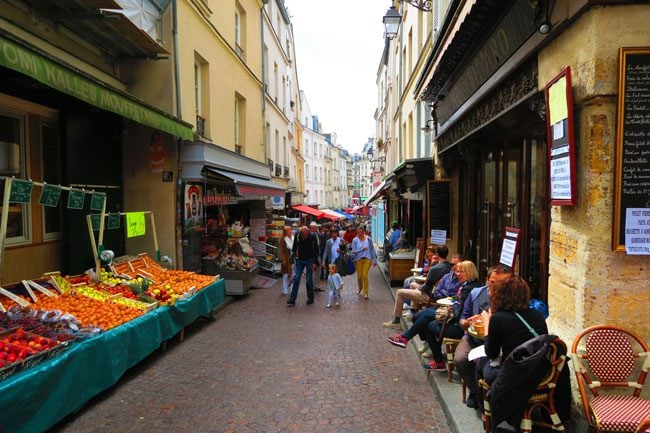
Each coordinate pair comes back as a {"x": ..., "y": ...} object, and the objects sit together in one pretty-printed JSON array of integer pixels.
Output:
[
  {"x": 426, "y": 264},
  {"x": 423, "y": 293},
  {"x": 478, "y": 301}
]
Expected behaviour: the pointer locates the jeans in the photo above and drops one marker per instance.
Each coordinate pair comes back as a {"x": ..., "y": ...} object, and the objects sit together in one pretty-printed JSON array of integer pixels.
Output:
[{"x": 300, "y": 267}]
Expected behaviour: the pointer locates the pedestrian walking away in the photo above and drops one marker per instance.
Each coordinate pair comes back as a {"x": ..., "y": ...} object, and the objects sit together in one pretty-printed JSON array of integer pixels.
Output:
[
  {"x": 364, "y": 254},
  {"x": 305, "y": 249}
]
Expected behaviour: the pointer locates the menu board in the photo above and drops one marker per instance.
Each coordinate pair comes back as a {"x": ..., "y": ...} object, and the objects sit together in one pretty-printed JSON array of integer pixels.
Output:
[
  {"x": 632, "y": 172},
  {"x": 439, "y": 205}
]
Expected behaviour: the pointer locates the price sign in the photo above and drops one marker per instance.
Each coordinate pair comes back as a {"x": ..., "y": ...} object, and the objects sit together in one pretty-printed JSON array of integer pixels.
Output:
[
  {"x": 95, "y": 220},
  {"x": 113, "y": 221},
  {"x": 76, "y": 199},
  {"x": 21, "y": 191},
  {"x": 135, "y": 224},
  {"x": 50, "y": 195},
  {"x": 509, "y": 247},
  {"x": 97, "y": 201}
]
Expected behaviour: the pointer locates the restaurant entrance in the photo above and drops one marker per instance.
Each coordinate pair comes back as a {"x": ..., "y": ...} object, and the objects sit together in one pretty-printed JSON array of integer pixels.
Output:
[{"x": 510, "y": 191}]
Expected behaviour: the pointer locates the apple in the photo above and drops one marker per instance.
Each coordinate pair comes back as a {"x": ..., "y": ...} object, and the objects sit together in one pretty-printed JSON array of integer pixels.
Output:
[{"x": 11, "y": 358}]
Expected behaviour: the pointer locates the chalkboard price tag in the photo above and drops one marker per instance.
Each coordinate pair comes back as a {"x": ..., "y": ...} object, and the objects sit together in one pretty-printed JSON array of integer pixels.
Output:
[
  {"x": 21, "y": 191},
  {"x": 76, "y": 199},
  {"x": 113, "y": 221},
  {"x": 50, "y": 195},
  {"x": 97, "y": 201},
  {"x": 96, "y": 219}
]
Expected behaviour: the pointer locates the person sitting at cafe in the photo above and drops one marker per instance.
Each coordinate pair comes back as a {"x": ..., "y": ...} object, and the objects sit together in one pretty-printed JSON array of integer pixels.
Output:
[
  {"x": 423, "y": 293},
  {"x": 429, "y": 330},
  {"x": 426, "y": 264},
  {"x": 477, "y": 302}
]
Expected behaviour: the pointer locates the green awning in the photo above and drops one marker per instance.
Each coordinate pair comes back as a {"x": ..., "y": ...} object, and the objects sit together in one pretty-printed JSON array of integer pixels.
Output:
[{"x": 74, "y": 83}]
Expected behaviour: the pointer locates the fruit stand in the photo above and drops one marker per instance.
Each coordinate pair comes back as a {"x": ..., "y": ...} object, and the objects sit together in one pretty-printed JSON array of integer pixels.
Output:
[{"x": 37, "y": 398}]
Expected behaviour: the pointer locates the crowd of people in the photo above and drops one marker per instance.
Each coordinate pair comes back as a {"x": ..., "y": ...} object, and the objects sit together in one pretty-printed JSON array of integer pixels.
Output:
[
  {"x": 500, "y": 306},
  {"x": 316, "y": 251}
]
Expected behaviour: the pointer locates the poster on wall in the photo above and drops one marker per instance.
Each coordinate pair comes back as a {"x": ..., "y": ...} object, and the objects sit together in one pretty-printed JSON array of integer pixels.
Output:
[
  {"x": 193, "y": 209},
  {"x": 637, "y": 231},
  {"x": 559, "y": 123},
  {"x": 509, "y": 247},
  {"x": 438, "y": 237}
]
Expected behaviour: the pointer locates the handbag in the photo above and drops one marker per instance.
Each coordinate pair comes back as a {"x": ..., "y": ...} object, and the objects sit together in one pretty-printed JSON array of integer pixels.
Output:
[{"x": 444, "y": 314}]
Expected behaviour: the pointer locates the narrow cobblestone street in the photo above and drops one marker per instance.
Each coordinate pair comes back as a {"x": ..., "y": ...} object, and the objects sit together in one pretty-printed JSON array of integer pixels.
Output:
[{"x": 263, "y": 367}]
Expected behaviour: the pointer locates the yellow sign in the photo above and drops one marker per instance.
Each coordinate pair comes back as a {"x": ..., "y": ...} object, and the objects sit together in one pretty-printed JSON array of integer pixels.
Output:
[
  {"x": 558, "y": 109},
  {"x": 135, "y": 224}
]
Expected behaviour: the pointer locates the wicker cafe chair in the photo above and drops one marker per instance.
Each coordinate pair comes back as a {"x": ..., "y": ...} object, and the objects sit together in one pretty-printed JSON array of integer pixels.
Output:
[
  {"x": 644, "y": 427},
  {"x": 604, "y": 356},
  {"x": 542, "y": 397},
  {"x": 450, "y": 349}
]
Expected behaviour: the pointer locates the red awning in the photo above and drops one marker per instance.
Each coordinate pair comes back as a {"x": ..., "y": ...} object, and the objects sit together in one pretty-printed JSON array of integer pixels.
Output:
[{"x": 308, "y": 210}]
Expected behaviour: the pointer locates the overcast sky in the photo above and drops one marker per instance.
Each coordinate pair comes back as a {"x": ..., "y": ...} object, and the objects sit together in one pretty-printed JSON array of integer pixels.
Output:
[{"x": 338, "y": 48}]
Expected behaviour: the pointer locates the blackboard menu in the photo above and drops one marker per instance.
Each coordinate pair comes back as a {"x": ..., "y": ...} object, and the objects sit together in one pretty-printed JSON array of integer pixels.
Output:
[
  {"x": 439, "y": 205},
  {"x": 21, "y": 191},
  {"x": 632, "y": 180}
]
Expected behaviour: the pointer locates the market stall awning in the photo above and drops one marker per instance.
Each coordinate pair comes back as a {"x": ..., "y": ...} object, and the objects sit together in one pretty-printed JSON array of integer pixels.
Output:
[
  {"x": 249, "y": 185},
  {"x": 344, "y": 214},
  {"x": 331, "y": 214},
  {"x": 71, "y": 81},
  {"x": 308, "y": 210}
]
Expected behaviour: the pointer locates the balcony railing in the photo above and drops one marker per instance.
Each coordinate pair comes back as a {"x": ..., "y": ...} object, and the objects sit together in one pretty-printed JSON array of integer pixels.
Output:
[
  {"x": 278, "y": 170},
  {"x": 200, "y": 125},
  {"x": 286, "y": 171}
]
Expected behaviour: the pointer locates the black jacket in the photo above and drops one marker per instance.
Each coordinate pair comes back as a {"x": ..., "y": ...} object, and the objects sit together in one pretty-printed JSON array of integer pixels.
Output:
[
  {"x": 521, "y": 372},
  {"x": 305, "y": 249}
]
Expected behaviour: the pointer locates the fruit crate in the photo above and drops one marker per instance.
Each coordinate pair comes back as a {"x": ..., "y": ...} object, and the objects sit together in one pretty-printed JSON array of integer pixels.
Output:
[
  {"x": 140, "y": 305},
  {"x": 31, "y": 360}
]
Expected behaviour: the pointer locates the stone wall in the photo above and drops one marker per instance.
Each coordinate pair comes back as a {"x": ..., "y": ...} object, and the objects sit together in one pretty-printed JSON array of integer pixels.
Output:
[{"x": 588, "y": 283}]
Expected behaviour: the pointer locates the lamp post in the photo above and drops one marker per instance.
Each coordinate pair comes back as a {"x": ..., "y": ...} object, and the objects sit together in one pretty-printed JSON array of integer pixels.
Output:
[{"x": 393, "y": 19}]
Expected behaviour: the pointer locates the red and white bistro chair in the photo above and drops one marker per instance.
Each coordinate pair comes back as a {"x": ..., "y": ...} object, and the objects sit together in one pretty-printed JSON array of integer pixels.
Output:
[{"x": 608, "y": 357}]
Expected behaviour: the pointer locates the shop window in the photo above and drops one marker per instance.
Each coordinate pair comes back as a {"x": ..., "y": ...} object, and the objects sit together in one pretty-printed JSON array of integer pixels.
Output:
[
  {"x": 51, "y": 157},
  {"x": 12, "y": 163}
]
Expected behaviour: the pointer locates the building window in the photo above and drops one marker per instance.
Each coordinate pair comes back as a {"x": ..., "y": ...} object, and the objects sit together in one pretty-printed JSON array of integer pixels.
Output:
[
  {"x": 12, "y": 163},
  {"x": 51, "y": 157},
  {"x": 201, "y": 90},
  {"x": 240, "y": 30},
  {"x": 240, "y": 123}
]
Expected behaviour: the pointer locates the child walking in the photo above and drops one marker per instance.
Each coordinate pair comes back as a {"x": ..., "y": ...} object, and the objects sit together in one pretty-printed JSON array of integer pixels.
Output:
[{"x": 334, "y": 286}]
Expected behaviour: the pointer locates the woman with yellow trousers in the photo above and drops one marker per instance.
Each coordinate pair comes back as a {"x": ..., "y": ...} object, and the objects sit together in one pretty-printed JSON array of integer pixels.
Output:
[{"x": 364, "y": 254}]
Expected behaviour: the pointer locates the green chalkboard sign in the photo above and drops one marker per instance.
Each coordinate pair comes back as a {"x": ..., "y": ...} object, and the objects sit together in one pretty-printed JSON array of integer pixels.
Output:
[
  {"x": 113, "y": 221},
  {"x": 76, "y": 199},
  {"x": 50, "y": 195},
  {"x": 96, "y": 219},
  {"x": 97, "y": 201},
  {"x": 21, "y": 191}
]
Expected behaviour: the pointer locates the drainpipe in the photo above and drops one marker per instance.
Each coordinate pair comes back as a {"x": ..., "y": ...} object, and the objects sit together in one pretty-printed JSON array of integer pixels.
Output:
[
  {"x": 179, "y": 143},
  {"x": 266, "y": 145}
]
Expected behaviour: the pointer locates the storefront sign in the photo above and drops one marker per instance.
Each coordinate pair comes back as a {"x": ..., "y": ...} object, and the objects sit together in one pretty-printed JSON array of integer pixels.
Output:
[
  {"x": 632, "y": 166},
  {"x": 637, "y": 231},
  {"x": 559, "y": 121},
  {"x": 219, "y": 199},
  {"x": 277, "y": 202},
  {"x": 438, "y": 237},
  {"x": 21, "y": 59},
  {"x": 135, "y": 224},
  {"x": 509, "y": 247}
]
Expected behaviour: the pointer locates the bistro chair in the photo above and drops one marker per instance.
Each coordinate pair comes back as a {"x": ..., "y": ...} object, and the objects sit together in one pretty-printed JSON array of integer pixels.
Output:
[
  {"x": 542, "y": 397},
  {"x": 607, "y": 357},
  {"x": 450, "y": 348},
  {"x": 644, "y": 427}
]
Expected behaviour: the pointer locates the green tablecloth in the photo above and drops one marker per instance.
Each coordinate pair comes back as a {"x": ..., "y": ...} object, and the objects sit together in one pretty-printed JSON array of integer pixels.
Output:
[{"x": 36, "y": 399}]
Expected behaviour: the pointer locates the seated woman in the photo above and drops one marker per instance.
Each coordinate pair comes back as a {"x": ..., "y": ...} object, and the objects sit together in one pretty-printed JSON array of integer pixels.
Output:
[
  {"x": 428, "y": 259},
  {"x": 425, "y": 325}
]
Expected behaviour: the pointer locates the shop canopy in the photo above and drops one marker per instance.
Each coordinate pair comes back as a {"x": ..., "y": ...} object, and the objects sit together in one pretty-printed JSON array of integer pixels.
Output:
[
  {"x": 332, "y": 215},
  {"x": 249, "y": 185},
  {"x": 308, "y": 210},
  {"x": 344, "y": 214},
  {"x": 71, "y": 81}
]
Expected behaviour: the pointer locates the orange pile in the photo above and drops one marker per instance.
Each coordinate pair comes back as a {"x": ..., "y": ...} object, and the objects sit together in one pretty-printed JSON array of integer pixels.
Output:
[{"x": 88, "y": 311}]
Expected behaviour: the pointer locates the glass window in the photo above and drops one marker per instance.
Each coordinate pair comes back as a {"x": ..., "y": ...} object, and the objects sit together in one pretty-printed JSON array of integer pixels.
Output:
[
  {"x": 12, "y": 163},
  {"x": 52, "y": 216}
]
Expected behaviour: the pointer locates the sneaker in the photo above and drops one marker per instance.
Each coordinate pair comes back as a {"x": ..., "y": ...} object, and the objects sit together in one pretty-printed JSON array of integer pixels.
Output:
[
  {"x": 328, "y": 305},
  {"x": 398, "y": 340},
  {"x": 291, "y": 303},
  {"x": 392, "y": 324},
  {"x": 310, "y": 301},
  {"x": 337, "y": 304},
  {"x": 435, "y": 366}
]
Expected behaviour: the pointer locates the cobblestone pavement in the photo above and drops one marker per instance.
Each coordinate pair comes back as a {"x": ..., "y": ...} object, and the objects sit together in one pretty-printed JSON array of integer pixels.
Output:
[{"x": 263, "y": 367}]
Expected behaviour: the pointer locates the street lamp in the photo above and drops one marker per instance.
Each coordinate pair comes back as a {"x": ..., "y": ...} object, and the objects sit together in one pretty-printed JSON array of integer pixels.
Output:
[{"x": 393, "y": 19}]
